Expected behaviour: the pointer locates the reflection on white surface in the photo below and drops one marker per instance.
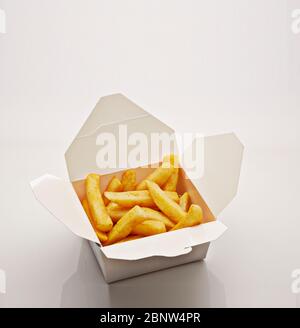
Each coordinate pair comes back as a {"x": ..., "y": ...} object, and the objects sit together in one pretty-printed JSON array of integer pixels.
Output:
[
  {"x": 296, "y": 281},
  {"x": 189, "y": 285},
  {"x": 295, "y": 286},
  {"x": 2, "y": 282}
]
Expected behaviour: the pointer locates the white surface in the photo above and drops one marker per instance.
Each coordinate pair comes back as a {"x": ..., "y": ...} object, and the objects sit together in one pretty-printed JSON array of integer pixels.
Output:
[{"x": 216, "y": 66}]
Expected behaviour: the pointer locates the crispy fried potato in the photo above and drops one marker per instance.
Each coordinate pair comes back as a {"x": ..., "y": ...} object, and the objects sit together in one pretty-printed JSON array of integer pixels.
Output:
[
  {"x": 164, "y": 203},
  {"x": 115, "y": 211},
  {"x": 184, "y": 201},
  {"x": 137, "y": 197},
  {"x": 194, "y": 217},
  {"x": 114, "y": 185},
  {"x": 148, "y": 228},
  {"x": 101, "y": 235},
  {"x": 128, "y": 180},
  {"x": 171, "y": 183},
  {"x": 129, "y": 238},
  {"x": 100, "y": 216},
  {"x": 159, "y": 176},
  {"x": 152, "y": 214},
  {"x": 86, "y": 208},
  {"x": 172, "y": 158},
  {"x": 125, "y": 225}
]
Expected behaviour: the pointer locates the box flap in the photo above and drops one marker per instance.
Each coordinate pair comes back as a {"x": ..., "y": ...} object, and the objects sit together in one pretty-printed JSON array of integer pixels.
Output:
[
  {"x": 60, "y": 199},
  {"x": 118, "y": 126},
  {"x": 222, "y": 159},
  {"x": 170, "y": 244}
]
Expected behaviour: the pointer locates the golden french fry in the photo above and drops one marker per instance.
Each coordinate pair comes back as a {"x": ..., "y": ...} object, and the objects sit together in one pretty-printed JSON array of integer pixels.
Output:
[
  {"x": 86, "y": 208},
  {"x": 125, "y": 225},
  {"x": 164, "y": 203},
  {"x": 152, "y": 214},
  {"x": 129, "y": 238},
  {"x": 115, "y": 211},
  {"x": 114, "y": 185},
  {"x": 171, "y": 183},
  {"x": 148, "y": 228},
  {"x": 159, "y": 176},
  {"x": 194, "y": 217},
  {"x": 137, "y": 197},
  {"x": 101, "y": 235},
  {"x": 128, "y": 180},
  {"x": 184, "y": 201},
  {"x": 172, "y": 158},
  {"x": 100, "y": 216}
]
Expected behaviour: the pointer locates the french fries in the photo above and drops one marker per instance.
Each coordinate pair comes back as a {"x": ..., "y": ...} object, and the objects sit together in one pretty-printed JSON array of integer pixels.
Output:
[
  {"x": 172, "y": 158},
  {"x": 193, "y": 217},
  {"x": 125, "y": 225},
  {"x": 171, "y": 183},
  {"x": 154, "y": 215},
  {"x": 184, "y": 201},
  {"x": 116, "y": 211},
  {"x": 128, "y": 211},
  {"x": 101, "y": 235},
  {"x": 114, "y": 185},
  {"x": 137, "y": 197},
  {"x": 128, "y": 180},
  {"x": 159, "y": 176},
  {"x": 86, "y": 208},
  {"x": 148, "y": 228},
  {"x": 100, "y": 216},
  {"x": 164, "y": 203}
]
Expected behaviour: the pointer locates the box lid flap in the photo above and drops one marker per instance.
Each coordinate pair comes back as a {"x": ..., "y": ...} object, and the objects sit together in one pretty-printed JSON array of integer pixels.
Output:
[
  {"x": 116, "y": 126},
  {"x": 222, "y": 159},
  {"x": 59, "y": 197},
  {"x": 170, "y": 244}
]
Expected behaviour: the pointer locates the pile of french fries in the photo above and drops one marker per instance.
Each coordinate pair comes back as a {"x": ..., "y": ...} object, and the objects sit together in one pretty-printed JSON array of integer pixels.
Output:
[{"x": 128, "y": 210}]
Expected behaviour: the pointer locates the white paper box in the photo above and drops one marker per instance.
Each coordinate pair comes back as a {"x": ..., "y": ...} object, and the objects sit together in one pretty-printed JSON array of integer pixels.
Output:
[{"x": 213, "y": 191}]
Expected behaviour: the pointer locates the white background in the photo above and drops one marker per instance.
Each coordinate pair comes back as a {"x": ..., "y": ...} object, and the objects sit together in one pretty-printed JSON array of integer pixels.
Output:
[{"x": 200, "y": 66}]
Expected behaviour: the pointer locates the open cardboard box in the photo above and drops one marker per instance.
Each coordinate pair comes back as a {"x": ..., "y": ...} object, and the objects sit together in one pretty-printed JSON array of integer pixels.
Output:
[{"x": 212, "y": 191}]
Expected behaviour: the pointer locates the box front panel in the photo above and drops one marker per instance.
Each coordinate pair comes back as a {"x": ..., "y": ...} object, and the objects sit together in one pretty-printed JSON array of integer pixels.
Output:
[{"x": 114, "y": 270}]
